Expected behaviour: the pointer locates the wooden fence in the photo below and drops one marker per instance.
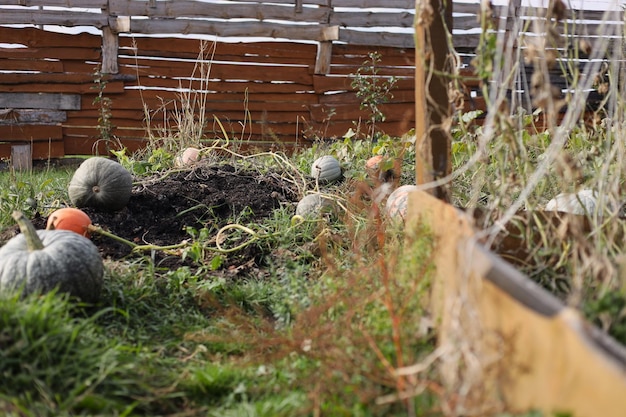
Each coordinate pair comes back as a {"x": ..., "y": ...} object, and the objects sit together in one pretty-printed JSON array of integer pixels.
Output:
[
  {"x": 505, "y": 343},
  {"x": 284, "y": 92}
]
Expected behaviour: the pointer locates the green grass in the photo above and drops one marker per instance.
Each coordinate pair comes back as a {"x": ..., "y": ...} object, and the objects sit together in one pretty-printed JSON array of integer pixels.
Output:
[
  {"x": 44, "y": 189},
  {"x": 308, "y": 336}
]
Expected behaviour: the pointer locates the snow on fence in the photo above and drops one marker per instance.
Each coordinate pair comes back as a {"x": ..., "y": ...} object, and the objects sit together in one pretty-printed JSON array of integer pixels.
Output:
[{"x": 272, "y": 73}]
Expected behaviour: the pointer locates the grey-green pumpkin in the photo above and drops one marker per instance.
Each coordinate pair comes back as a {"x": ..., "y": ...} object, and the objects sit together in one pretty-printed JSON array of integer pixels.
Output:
[
  {"x": 39, "y": 261},
  {"x": 101, "y": 183},
  {"x": 326, "y": 169},
  {"x": 314, "y": 205}
]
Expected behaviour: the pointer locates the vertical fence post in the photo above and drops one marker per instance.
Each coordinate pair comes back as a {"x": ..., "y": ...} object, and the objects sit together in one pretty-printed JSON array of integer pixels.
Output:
[
  {"x": 110, "y": 44},
  {"x": 433, "y": 141}
]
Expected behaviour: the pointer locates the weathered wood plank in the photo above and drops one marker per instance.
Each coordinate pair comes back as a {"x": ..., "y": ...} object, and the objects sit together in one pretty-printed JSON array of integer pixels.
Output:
[
  {"x": 27, "y": 133},
  {"x": 27, "y": 116},
  {"x": 53, "y": 17},
  {"x": 367, "y": 19},
  {"x": 113, "y": 87},
  {"x": 33, "y": 37},
  {"x": 30, "y": 65},
  {"x": 220, "y": 86},
  {"x": 352, "y": 112},
  {"x": 268, "y": 73},
  {"x": 40, "y": 101},
  {"x": 21, "y": 157},
  {"x": 153, "y": 46},
  {"x": 51, "y": 53},
  {"x": 61, "y": 78},
  {"x": 396, "y": 4},
  {"x": 378, "y": 38},
  {"x": 226, "y": 29},
  {"x": 93, "y": 4},
  {"x": 40, "y": 150},
  {"x": 186, "y": 8}
]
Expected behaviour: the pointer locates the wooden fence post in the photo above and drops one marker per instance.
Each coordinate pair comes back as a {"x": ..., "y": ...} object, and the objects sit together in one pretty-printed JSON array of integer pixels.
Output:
[
  {"x": 433, "y": 141},
  {"x": 21, "y": 157}
]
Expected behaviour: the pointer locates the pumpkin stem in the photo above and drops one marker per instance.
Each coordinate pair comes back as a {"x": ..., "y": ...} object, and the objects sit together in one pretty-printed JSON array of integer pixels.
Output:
[{"x": 28, "y": 230}]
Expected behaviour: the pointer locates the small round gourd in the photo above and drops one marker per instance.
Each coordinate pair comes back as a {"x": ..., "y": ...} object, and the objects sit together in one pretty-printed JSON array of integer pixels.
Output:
[
  {"x": 580, "y": 203},
  {"x": 326, "y": 169},
  {"x": 372, "y": 166},
  {"x": 188, "y": 157},
  {"x": 313, "y": 205},
  {"x": 397, "y": 202},
  {"x": 69, "y": 218},
  {"x": 101, "y": 183},
  {"x": 39, "y": 261}
]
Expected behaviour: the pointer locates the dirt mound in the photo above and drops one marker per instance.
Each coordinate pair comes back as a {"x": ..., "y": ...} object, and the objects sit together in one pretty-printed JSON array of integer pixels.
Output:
[{"x": 205, "y": 196}]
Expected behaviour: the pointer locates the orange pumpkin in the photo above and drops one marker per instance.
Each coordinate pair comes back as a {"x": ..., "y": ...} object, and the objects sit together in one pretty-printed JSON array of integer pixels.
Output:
[
  {"x": 372, "y": 166},
  {"x": 69, "y": 218}
]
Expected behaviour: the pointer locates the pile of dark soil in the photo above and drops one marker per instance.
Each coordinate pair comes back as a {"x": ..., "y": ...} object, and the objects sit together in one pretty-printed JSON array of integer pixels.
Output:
[{"x": 205, "y": 196}]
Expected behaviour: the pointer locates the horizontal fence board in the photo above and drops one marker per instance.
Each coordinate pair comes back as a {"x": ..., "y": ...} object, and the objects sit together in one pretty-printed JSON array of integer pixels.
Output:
[
  {"x": 251, "y": 73},
  {"x": 111, "y": 88},
  {"x": 227, "y": 29},
  {"x": 28, "y": 133},
  {"x": 93, "y": 4},
  {"x": 225, "y": 86},
  {"x": 33, "y": 38},
  {"x": 39, "y": 150},
  {"x": 30, "y": 65},
  {"x": 26, "y": 116},
  {"x": 366, "y": 4},
  {"x": 184, "y": 8},
  {"x": 39, "y": 101},
  {"x": 52, "y": 53},
  {"x": 153, "y": 46},
  {"x": 373, "y": 19},
  {"x": 50, "y": 17},
  {"x": 361, "y": 37},
  {"x": 61, "y": 78}
]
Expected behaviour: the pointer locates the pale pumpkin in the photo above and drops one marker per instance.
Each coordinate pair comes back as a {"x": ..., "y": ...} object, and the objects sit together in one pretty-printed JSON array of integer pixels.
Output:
[
  {"x": 39, "y": 261},
  {"x": 101, "y": 183},
  {"x": 326, "y": 169},
  {"x": 189, "y": 156},
  {"x": 397, "y": 202},
  {"x": 583, "y": 202}
]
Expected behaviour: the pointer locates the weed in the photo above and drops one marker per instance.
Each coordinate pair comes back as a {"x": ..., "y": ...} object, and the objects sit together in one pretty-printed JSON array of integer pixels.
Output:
[
  {"x": 103, "y": 103},
  {"x": 373, "y": 90}
]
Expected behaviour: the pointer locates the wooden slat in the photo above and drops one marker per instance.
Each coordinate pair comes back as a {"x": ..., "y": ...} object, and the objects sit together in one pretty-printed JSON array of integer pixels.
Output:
[
  {"x": 403, "y": 19},
  {"x": 185, "y": 8},
  {"x": 49, "y": 17},
  {"x": 298, "y": 75},
  {"x": 51, "y": 53},
  {"x": 33, "y": 37},
  {"x": 378, "y": 38},
  {"x": 40, "y": 150},
  {"x": 111, "y": 88},
  {"x": 28, "y": 133},
  {"x": 30, "y": 65},
  {"x": 92, "y": 4},
  {"x": 226, "y": 29},
  {"x": 61, "y": 78},
  {"x": 353, "y": 112},
  {"x": 39, "y": 101},
  {"x": 26, "y": 116}
]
